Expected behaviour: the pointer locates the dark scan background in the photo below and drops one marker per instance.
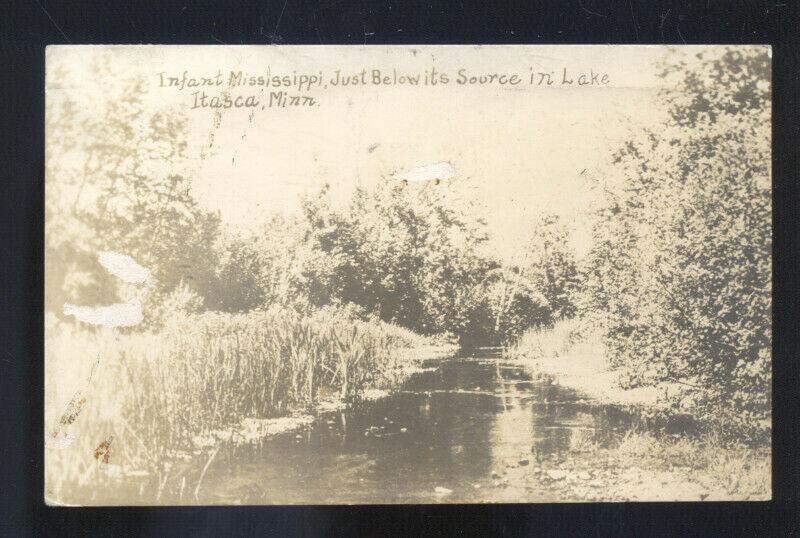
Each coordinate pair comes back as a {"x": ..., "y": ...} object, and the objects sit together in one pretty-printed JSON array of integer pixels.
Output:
[{"x": 27, "y": 27}]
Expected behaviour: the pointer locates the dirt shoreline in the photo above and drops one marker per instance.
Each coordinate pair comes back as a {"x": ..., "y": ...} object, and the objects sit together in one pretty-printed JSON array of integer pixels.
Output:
[
  {"x": 643, "y": 467},
  {"x": 585, "y": 369},
  {"x": 606, "y": 475}
]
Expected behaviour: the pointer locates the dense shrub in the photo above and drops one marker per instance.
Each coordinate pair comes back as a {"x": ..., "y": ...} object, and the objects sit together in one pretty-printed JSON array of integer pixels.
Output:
[
  {"x": 409, "y": 256},
  {"x": 679, "y": 276},
  {"x": 118, "y": 178},
  {"x": 551, "y": 266}
]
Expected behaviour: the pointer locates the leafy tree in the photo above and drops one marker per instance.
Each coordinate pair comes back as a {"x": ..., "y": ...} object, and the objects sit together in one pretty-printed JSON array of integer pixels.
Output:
[
  {"x": 680, "y": 273},
  {"x": 516, "y": 303},
  {"x": 117, "y": 180},
  {"x": 407, "y": 256},
  {"x": 238, "y": 279},
  {"x": 551, "y": 266}
]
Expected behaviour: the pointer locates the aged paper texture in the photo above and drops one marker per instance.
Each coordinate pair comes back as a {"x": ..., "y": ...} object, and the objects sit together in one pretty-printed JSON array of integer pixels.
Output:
[{"x": 407, "y": 274}]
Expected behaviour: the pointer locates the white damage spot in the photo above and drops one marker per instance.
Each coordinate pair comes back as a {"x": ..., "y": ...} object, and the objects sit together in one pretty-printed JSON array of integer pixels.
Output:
[
  {"x": 370, "y": 395},
  {"x": 58, "y": 440},
  {"x": 115, "y": 315},
  {"x": 123, "y": 266},
  {"x": 441, "y": 171}
]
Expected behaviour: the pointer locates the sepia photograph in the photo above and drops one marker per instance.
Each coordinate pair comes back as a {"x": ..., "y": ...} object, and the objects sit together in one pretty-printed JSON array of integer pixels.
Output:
[{"x": 339, "y": 274}]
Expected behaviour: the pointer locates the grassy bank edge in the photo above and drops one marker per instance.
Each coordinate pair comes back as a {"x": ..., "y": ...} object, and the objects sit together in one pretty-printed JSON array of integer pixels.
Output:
[
  {"x": 706, "y": 465},
  {"x": 149, "y": 399}
]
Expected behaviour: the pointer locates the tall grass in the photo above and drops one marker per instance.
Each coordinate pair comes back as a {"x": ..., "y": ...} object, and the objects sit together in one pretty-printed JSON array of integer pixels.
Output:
[
  {"x": 552, "y": 341},
  {"x": 161, "y": 397}
]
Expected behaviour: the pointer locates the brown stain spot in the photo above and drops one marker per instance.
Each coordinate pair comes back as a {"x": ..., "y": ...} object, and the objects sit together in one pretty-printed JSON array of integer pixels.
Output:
[
  {"x": 217, "y": 117},
  {"x": 103, "y": 450},
  {"x": 73, "y": 409}
]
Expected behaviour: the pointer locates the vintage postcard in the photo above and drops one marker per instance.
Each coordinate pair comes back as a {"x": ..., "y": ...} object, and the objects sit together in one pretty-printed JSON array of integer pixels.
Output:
[{"x": 407, "y": 274}]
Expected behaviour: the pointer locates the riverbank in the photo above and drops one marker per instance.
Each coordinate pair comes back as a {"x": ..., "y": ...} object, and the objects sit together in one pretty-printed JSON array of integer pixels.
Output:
[
  {"x": 566, "y": 357},
  {"x": 641, "y": 465},
  {"x": 145, "y": 411},
  {"x": 476, "y": 428}
]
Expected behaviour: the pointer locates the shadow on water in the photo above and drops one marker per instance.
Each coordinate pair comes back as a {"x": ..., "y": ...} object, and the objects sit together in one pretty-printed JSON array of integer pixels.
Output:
[{"x": 450, "y": 426}]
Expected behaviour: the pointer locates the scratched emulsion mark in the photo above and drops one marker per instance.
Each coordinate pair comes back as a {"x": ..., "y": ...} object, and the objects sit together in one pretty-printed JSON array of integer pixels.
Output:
[
  {"x": 436, "y": 172},
  {"x": 60, "y": 438},
  {"x": 103, "y": 450},
  {"x": 73, "y": 409},
  {"x": 123, "y": 267},
  {"x": 116, "y": 315}
]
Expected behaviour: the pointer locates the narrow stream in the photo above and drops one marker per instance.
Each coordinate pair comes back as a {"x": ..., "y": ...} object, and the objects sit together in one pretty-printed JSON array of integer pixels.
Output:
[{"x": 444, "y": 436}]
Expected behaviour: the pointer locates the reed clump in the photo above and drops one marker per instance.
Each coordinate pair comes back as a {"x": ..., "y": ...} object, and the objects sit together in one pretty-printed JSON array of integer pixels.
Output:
[{"x": 166, "y": 397}]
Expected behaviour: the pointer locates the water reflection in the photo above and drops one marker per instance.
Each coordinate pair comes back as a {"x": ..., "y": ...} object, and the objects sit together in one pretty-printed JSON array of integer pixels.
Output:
[
  {"x": 512, "y": 428},
  {"x": 451, "y": 428}
]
